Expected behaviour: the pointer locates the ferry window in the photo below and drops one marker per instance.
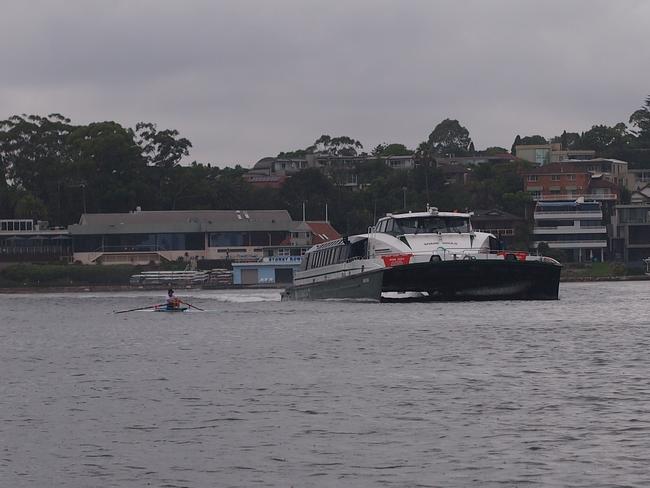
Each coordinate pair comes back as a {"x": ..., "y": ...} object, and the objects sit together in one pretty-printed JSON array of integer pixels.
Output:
[
  {"x": 4, "y": 225},
  {"x": 419, "y": 225},
  {"x": 305, "y": 262}
]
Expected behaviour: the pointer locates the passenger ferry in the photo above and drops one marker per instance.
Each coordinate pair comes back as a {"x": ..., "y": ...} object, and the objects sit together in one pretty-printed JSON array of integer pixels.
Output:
[{"x": 432, "y": 255}]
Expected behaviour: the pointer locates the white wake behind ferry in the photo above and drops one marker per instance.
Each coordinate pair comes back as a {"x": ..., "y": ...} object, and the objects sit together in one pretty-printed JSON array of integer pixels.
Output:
[{"x": 432, "y": 254}]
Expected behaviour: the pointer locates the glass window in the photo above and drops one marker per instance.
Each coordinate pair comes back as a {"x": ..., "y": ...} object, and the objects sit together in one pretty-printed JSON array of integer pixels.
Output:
[
  {"x": 542, "y": 156},
  {"x": 433, "y": 224}
]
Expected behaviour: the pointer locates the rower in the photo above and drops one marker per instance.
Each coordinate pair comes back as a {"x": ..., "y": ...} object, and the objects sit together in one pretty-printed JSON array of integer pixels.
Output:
[{"x": 172, "y": 301}]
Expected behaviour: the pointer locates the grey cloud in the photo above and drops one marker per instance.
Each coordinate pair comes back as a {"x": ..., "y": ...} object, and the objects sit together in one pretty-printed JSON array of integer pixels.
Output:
[{"x": 245, "y": 79}]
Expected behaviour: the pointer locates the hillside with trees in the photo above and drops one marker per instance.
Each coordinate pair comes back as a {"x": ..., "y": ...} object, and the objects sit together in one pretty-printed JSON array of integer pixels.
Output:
[{"x": 52, "y": 169}]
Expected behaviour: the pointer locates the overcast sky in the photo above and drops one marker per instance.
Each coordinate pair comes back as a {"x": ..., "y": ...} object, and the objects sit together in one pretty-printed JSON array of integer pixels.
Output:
[{"x": 248, "y": 79}]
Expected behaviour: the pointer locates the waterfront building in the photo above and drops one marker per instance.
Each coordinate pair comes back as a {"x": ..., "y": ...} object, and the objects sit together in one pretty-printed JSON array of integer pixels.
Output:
[
  {"x": 268, "y": 271},
  {"x": 142, "y": 237},
  {"x": 631, "y": 239},
  {"x": 28, "y": 240},
  {"x": 576, "y": 227}
]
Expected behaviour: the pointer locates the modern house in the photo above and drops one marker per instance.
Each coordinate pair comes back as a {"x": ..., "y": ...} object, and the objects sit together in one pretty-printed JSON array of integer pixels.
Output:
[
  {"x": 551, "y": 153},
  {"x": 474, "y": 160},
  {"x": 576, "y": 227},
  {"x": 631, "y": 239},
  {"x": 343, "y": 170},
  {"x": 142, "y": 237}
]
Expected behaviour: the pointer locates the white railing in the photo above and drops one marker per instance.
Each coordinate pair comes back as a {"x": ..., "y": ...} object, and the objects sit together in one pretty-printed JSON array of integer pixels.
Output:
[{"x": 573, "y": 197}]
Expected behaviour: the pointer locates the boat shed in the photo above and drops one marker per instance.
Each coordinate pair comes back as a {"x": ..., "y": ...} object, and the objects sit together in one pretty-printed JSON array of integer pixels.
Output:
[
  {"x": 141, "y": 237},
  {"x": 269, "y": 271}
]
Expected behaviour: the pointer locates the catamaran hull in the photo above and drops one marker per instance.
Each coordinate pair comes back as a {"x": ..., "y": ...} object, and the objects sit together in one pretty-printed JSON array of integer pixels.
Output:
[
  {"x": 366, "y": 286},
  {"x": 475, "y": 279}
]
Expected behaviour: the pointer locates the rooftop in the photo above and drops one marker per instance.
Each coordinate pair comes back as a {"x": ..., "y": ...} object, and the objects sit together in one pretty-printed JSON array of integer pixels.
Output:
[{"x": 142, "y": 222}]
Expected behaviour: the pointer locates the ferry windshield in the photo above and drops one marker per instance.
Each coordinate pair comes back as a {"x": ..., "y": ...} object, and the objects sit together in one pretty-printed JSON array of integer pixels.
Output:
[{"x": 430, "y": 225}]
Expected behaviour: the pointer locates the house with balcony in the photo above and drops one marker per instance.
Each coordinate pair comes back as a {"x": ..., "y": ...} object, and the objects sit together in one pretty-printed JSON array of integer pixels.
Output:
[
  {"x": 402, "y": 163},
  {"x": 568, "y": 181},
  {"x": 343, "y": 170},
  {"x": 631, "y": 236},
  {"x": 474, "y": 160},
  {"x": 576, "y": 227},
  {"x": 613, "y": 170}
]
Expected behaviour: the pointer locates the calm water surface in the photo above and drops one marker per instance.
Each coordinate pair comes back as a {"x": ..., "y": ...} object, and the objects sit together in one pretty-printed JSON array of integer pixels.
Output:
[{"x": 255, "y": 392}]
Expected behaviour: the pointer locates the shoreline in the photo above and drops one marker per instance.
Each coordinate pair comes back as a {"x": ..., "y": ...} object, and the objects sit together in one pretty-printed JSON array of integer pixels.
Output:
[{"x": 115, "y": 288}]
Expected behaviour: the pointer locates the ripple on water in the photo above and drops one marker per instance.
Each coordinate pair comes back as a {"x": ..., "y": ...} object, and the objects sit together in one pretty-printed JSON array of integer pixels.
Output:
[{"x": 259, "y": 392}]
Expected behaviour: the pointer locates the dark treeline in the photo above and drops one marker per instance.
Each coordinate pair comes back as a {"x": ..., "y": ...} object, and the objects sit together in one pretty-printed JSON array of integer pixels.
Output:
[{"x": 52, "y": 169}]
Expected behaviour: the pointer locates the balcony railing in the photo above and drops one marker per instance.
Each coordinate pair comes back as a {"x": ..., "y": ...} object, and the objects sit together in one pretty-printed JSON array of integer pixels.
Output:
[{"x": 587, "y": 196}]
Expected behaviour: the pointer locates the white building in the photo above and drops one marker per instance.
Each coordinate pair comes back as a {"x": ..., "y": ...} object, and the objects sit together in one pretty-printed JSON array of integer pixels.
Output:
[{"x": 575, "y": 227}]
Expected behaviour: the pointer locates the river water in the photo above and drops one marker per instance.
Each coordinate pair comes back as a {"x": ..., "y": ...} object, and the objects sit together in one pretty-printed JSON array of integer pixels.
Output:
[{"x": 255, "y": 392}]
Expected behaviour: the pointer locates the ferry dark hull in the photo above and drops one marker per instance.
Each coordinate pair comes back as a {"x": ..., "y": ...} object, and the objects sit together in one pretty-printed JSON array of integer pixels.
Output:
[
  {"x": 476, "y": 280},
  {"x": 365, "y": 286}
]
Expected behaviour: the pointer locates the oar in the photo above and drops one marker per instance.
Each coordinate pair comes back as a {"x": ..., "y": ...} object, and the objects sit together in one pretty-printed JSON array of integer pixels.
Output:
[
  {"x": 140, "y": 308},
  {"x": 190, "y": 305}
]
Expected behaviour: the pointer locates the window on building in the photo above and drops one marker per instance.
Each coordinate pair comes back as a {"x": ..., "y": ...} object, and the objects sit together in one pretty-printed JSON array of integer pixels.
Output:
[
  {"x": 542, "y": 156},
  {"x": 556, "y": 177},
  {"x": 532, "y": 178},
  {"x": 571, "y": 177}
]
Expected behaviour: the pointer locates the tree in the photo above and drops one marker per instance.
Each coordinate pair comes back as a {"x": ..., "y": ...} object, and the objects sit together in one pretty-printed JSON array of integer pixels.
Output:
[
  {"x": 495, "y": 151},
  {"x": 640, "y": 120},
  {"x": 604, "y": 139},
  {"x": 34, "y": 157},
  {"x": 30, "y": 207},
  {"x": 569, "y": 140},
  {"x": 336, "y": 146},
  {"x": 108, "y": 164},
  {"x": 533, "y": 140},
  {"x": 383, "y": 150},
  {"x": 448, "y": 137},
  {"x": 311, "y": 186},
  {"x": 161, "y": 148}
]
